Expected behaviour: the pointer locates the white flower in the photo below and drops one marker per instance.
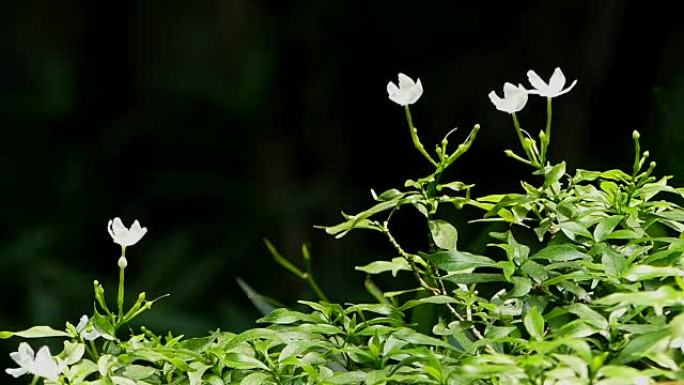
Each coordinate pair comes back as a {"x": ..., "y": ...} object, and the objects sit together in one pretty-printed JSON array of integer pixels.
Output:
[
  {"x": 514, "y": 98},
  {"x": 86, "y": 330},
  {"x": 123, "y": 236},
  {"x": 553, "y": 88},
  {"x": 408, "y": 91},
  {"x": 42, "y": 364}
]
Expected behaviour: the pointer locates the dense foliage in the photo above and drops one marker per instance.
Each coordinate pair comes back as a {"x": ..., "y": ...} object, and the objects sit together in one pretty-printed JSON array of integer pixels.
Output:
[{"x": 584, "y": 287}]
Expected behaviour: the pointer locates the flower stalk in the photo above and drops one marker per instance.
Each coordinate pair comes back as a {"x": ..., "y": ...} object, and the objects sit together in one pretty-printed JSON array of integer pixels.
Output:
[{"x": 416, "y": 140}]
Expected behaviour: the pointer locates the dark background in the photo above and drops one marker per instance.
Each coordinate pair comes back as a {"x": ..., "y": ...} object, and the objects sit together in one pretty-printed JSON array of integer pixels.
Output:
[{"x": 216, "y": 123}]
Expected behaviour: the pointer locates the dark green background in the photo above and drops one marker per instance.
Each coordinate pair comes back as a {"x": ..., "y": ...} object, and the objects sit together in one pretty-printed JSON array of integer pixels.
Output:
[{"x": 217, "y": 123}]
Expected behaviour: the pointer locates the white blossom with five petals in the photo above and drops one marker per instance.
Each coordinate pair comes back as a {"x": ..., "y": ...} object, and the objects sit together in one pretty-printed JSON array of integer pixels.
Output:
[
  {"x": 408, "y": 91},
  {"x": 514, "y": 98},
  {"x": 41, "y": 364},
  {"x": 123, "y": 236},
  {"x": 553, "y": 88}
]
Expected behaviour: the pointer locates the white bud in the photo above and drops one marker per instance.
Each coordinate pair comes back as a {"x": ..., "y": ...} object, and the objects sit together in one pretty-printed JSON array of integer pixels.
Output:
[{"x": 122, "y": 262}]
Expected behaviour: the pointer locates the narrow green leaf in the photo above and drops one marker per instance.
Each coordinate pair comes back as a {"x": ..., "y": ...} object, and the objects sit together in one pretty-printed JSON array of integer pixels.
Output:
[
  {"x": 643, "y": 272},
  {"x": 35, "y": 332},
  {"x": 395, "y": 265},
  {"x": 534, "y": 324},
  {"x": 458, "y": 260},
  {"x": 560, "y": 253},
  {"x": 468, "y": 278}
]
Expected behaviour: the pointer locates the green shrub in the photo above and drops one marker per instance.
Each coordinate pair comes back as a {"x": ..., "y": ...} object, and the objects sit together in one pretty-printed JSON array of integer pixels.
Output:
[{"x": 585, "y": 286}]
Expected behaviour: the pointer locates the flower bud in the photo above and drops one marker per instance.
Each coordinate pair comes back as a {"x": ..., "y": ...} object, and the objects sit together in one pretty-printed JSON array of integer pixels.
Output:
[
  {"x": 122, "y": 262},
  {"x": 635, "y": 135}
]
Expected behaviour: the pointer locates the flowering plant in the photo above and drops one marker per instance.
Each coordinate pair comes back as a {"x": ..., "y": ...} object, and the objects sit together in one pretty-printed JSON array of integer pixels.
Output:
[{"x": 582, "y": 284}]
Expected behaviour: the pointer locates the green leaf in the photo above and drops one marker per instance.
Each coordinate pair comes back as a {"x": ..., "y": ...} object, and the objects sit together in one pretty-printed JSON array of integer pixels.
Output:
[
  {"x": 253, "y": 334},
  {"x": 508, "y": 268},
  {"x": 643, "y": 272},
  {"x": 264, "y": 304},
  {"x": 468, "y": 278},
  {"x": 664, "y": 296},
  {"x": 617, "y": 175},
  {"x": 257, "y": 378},
  {"x": 436, "y": 300},
  {"x": 35, "y": 332},
  {"x": 138, "y": 372},
  {"x": 444, "y": 234},
  {"x": 397, "y": 264},
  {"x": 571, "y": 229},
  {"x": 286, "y": 316},
  {"x": 613, "y": 262},
  {"x": 588, "y": 315},
  {"x": 606, "y": 226},
  {"x": 535, "y": 271},
  {"x": 585, "y": 176},
  {"x": 387, "y": 195},
  {"x": 560, "y": 253},
  {"x": 554, "y": 174},
  {"x": 521, "y": 286},
  {"x": 242, "y": 361},
  {"x": 103, "y": 325},
  {"x": 534, "y": 324},
  {"x": 458, "y": 260},
  {"x": 641, "y": 346},
  {"x": 624, "y": 234}
]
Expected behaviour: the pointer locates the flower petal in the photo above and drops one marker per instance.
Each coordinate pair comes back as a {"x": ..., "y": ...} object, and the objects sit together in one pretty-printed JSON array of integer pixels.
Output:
[
  {"x": 110, "y": 230},
  {"x": 405, "y": 82},
  {"x": 557, "y": 80},
  {"x": 82, "y": 323},
  {"x": 395, "y": 94},
  {"x": 392, "y": 89},
  {"x": 568, "y": 89},
  {"x": 509, "y": 89},
  {"x": 118, "y": 226},
  {"x": 415, "y": 92},
  {"x": 45, "y": 365},
  {"x": 25, "y": 351},
  {"x": 536, "y": 81},
  {"x": 16, "y": 372},
  {"x": 495, "y": 99}
]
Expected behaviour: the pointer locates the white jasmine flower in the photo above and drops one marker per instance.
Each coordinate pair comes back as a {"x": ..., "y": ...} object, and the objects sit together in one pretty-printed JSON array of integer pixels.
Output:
[
  {"x": 86, "y": 330},
  {"x": 42, "y": 364},
  {"x": 408, "y": 91},
  {"x": 553, "y": 88},
  {"x": 123, "y": 236},
  {"x": 514, "y": 98}
]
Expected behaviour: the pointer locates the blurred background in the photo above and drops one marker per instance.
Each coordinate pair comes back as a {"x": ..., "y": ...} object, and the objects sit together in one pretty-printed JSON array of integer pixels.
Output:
[{"x": 218, "y": 123}]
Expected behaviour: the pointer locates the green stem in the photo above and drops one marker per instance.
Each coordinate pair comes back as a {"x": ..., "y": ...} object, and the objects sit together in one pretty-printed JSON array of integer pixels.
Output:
[
  {"x": 314, "y": 286},
  {"x": 529, "y": 149},
  {"x": 463, "y": 147},
  {"x": 414, "y": 137},
  {"x": 518, "y": 130},
  {"x": 547, "y": 138},
  {"x": 94, "y": 348},
  {"x": 120, "y": 298}
]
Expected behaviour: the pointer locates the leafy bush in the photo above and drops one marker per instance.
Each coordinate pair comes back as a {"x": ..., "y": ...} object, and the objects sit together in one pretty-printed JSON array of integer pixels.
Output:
[{"x": 585, "y": 286}]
